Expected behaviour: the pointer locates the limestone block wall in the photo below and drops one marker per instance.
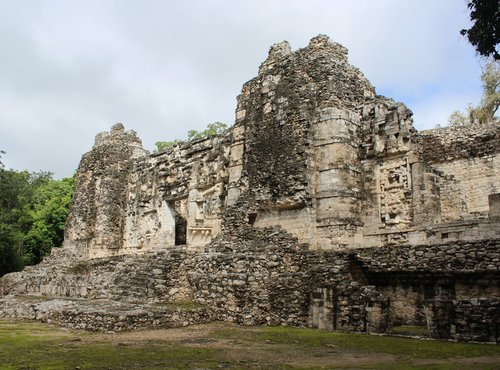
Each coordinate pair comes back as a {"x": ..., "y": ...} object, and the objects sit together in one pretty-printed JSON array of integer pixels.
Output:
[
  {"x": 452, "y": 288},
  {"x": 480, "y": 177},
  {"x": 299, "y": 222},
  {"x": 264, "y": 276},
  {"x": 471, "y": 155},
  {"x": 313, "y": 150}
]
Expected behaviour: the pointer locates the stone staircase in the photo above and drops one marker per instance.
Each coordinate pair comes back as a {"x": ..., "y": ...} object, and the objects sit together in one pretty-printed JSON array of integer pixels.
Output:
[
  {"x": 105, "y": 294},
  {"x": 154, "y": 276},
  {"x": 128, "y": 278}
]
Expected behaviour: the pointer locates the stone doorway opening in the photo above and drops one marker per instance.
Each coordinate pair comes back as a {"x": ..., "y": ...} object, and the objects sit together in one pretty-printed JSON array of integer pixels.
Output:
[{"x": 180, "y": 230}]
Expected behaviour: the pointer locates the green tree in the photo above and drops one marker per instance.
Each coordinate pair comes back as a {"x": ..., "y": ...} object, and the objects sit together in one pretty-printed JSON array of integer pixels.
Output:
[
  {"x": 194, "y": 135},
  {"x": 484, "y": 34},
  {"x": 14, "y": 194},
  {"x": 48, "y": 213},
  {"x": 491, "y": 90},
  {"x": 486, "y": 110},
  {"x": 457, "y": 118},
  {"x": 213, "y": 129},
  {"x": 161, "y": 146},
  {"x": 33, "y": 210}
]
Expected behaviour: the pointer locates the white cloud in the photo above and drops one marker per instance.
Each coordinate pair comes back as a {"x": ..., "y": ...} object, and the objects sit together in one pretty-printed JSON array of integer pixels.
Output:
[{"x": 71, "y": 69}]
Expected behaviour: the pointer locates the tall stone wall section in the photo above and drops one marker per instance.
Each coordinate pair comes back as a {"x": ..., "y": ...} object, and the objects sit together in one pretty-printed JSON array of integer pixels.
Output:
[
  {"x": 96, "y": 222},
  {"x": 291, "y": 133},
  {"x": 470, "y": 155}
]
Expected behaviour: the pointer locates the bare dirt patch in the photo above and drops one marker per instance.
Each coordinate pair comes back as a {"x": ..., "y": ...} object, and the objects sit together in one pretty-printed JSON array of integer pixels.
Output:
[{"x": 248, "y": 344}]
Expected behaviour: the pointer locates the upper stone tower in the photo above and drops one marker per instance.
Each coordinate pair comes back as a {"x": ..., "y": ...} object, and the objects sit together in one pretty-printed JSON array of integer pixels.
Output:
[
  {"x": 96, "y": 220},
  {"x": 301, "y": 128}
]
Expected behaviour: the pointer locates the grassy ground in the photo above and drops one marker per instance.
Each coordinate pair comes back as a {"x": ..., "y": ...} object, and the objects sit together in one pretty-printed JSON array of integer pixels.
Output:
[{"x": 31, "y": 345}]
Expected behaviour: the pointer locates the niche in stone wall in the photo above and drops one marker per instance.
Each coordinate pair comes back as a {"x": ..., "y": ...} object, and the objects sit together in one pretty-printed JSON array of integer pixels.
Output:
[
  {"x": 180, "y": 220},
  {"x": 494, "y": 203},
  {"x": 180, "y": 230},
  {"x": 322, "y": 309},
  {"x": 252, "y": 217}
]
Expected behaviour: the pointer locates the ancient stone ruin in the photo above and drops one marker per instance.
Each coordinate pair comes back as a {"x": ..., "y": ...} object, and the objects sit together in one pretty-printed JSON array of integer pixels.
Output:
[{"x": 322, "y": 206}]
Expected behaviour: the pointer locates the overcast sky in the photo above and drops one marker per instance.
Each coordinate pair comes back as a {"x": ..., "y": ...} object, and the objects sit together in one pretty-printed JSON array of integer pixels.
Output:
[{"x": 70, "y": 69}]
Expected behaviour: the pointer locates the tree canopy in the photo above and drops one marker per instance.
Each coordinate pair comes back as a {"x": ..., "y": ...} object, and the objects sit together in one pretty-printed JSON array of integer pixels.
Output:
[
  {"x": 487, "y": 108},
  {"x": 33, "y": 211},
  {"x": 212, "y": 129},
  {"x": 484, "y": 34}
]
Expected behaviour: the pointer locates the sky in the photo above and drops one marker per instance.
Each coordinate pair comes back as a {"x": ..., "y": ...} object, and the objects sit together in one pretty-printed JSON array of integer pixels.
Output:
[{"x": 71, "y": 69}]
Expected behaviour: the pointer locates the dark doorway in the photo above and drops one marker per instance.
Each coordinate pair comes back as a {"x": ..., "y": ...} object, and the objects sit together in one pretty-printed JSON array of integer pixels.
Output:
[
  {"x": 180, "y": 230},
  {"x": 251, "y": 218}
]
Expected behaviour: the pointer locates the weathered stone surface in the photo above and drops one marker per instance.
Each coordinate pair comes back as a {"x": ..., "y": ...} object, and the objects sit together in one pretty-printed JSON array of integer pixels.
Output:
[
  {"x": 314, "y": 150},
  {"x": 104, "y": 315},
  {"x": 321, "y": 206}
]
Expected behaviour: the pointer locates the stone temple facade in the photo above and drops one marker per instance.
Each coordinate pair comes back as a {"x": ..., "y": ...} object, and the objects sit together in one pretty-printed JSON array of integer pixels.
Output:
[{"x": 320, "y": 206}]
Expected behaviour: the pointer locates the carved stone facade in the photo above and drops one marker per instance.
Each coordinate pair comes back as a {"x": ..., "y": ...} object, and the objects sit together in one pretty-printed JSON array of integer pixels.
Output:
[
  {"x": 321, "y": 206},
  {"x": 314, "y": 150}
]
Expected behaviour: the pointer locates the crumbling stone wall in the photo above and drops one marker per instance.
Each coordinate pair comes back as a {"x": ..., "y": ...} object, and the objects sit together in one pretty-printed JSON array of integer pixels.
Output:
[
  {"x": 452, "y": 288},
  {"x": 300, "y": 131},
  {"x": 95, "y": 224}
]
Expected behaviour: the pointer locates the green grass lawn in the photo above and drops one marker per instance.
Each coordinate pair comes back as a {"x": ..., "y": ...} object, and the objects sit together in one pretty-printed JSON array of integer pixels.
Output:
[{"x": 31, "y": 345}]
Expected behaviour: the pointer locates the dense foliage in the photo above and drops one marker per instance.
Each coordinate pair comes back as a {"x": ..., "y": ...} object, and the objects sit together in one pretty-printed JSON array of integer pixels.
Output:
[
  {"x": 484, "y": 34},
  {"x": 212, "y": 129},
  {"x": 33, "y": 210}
]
